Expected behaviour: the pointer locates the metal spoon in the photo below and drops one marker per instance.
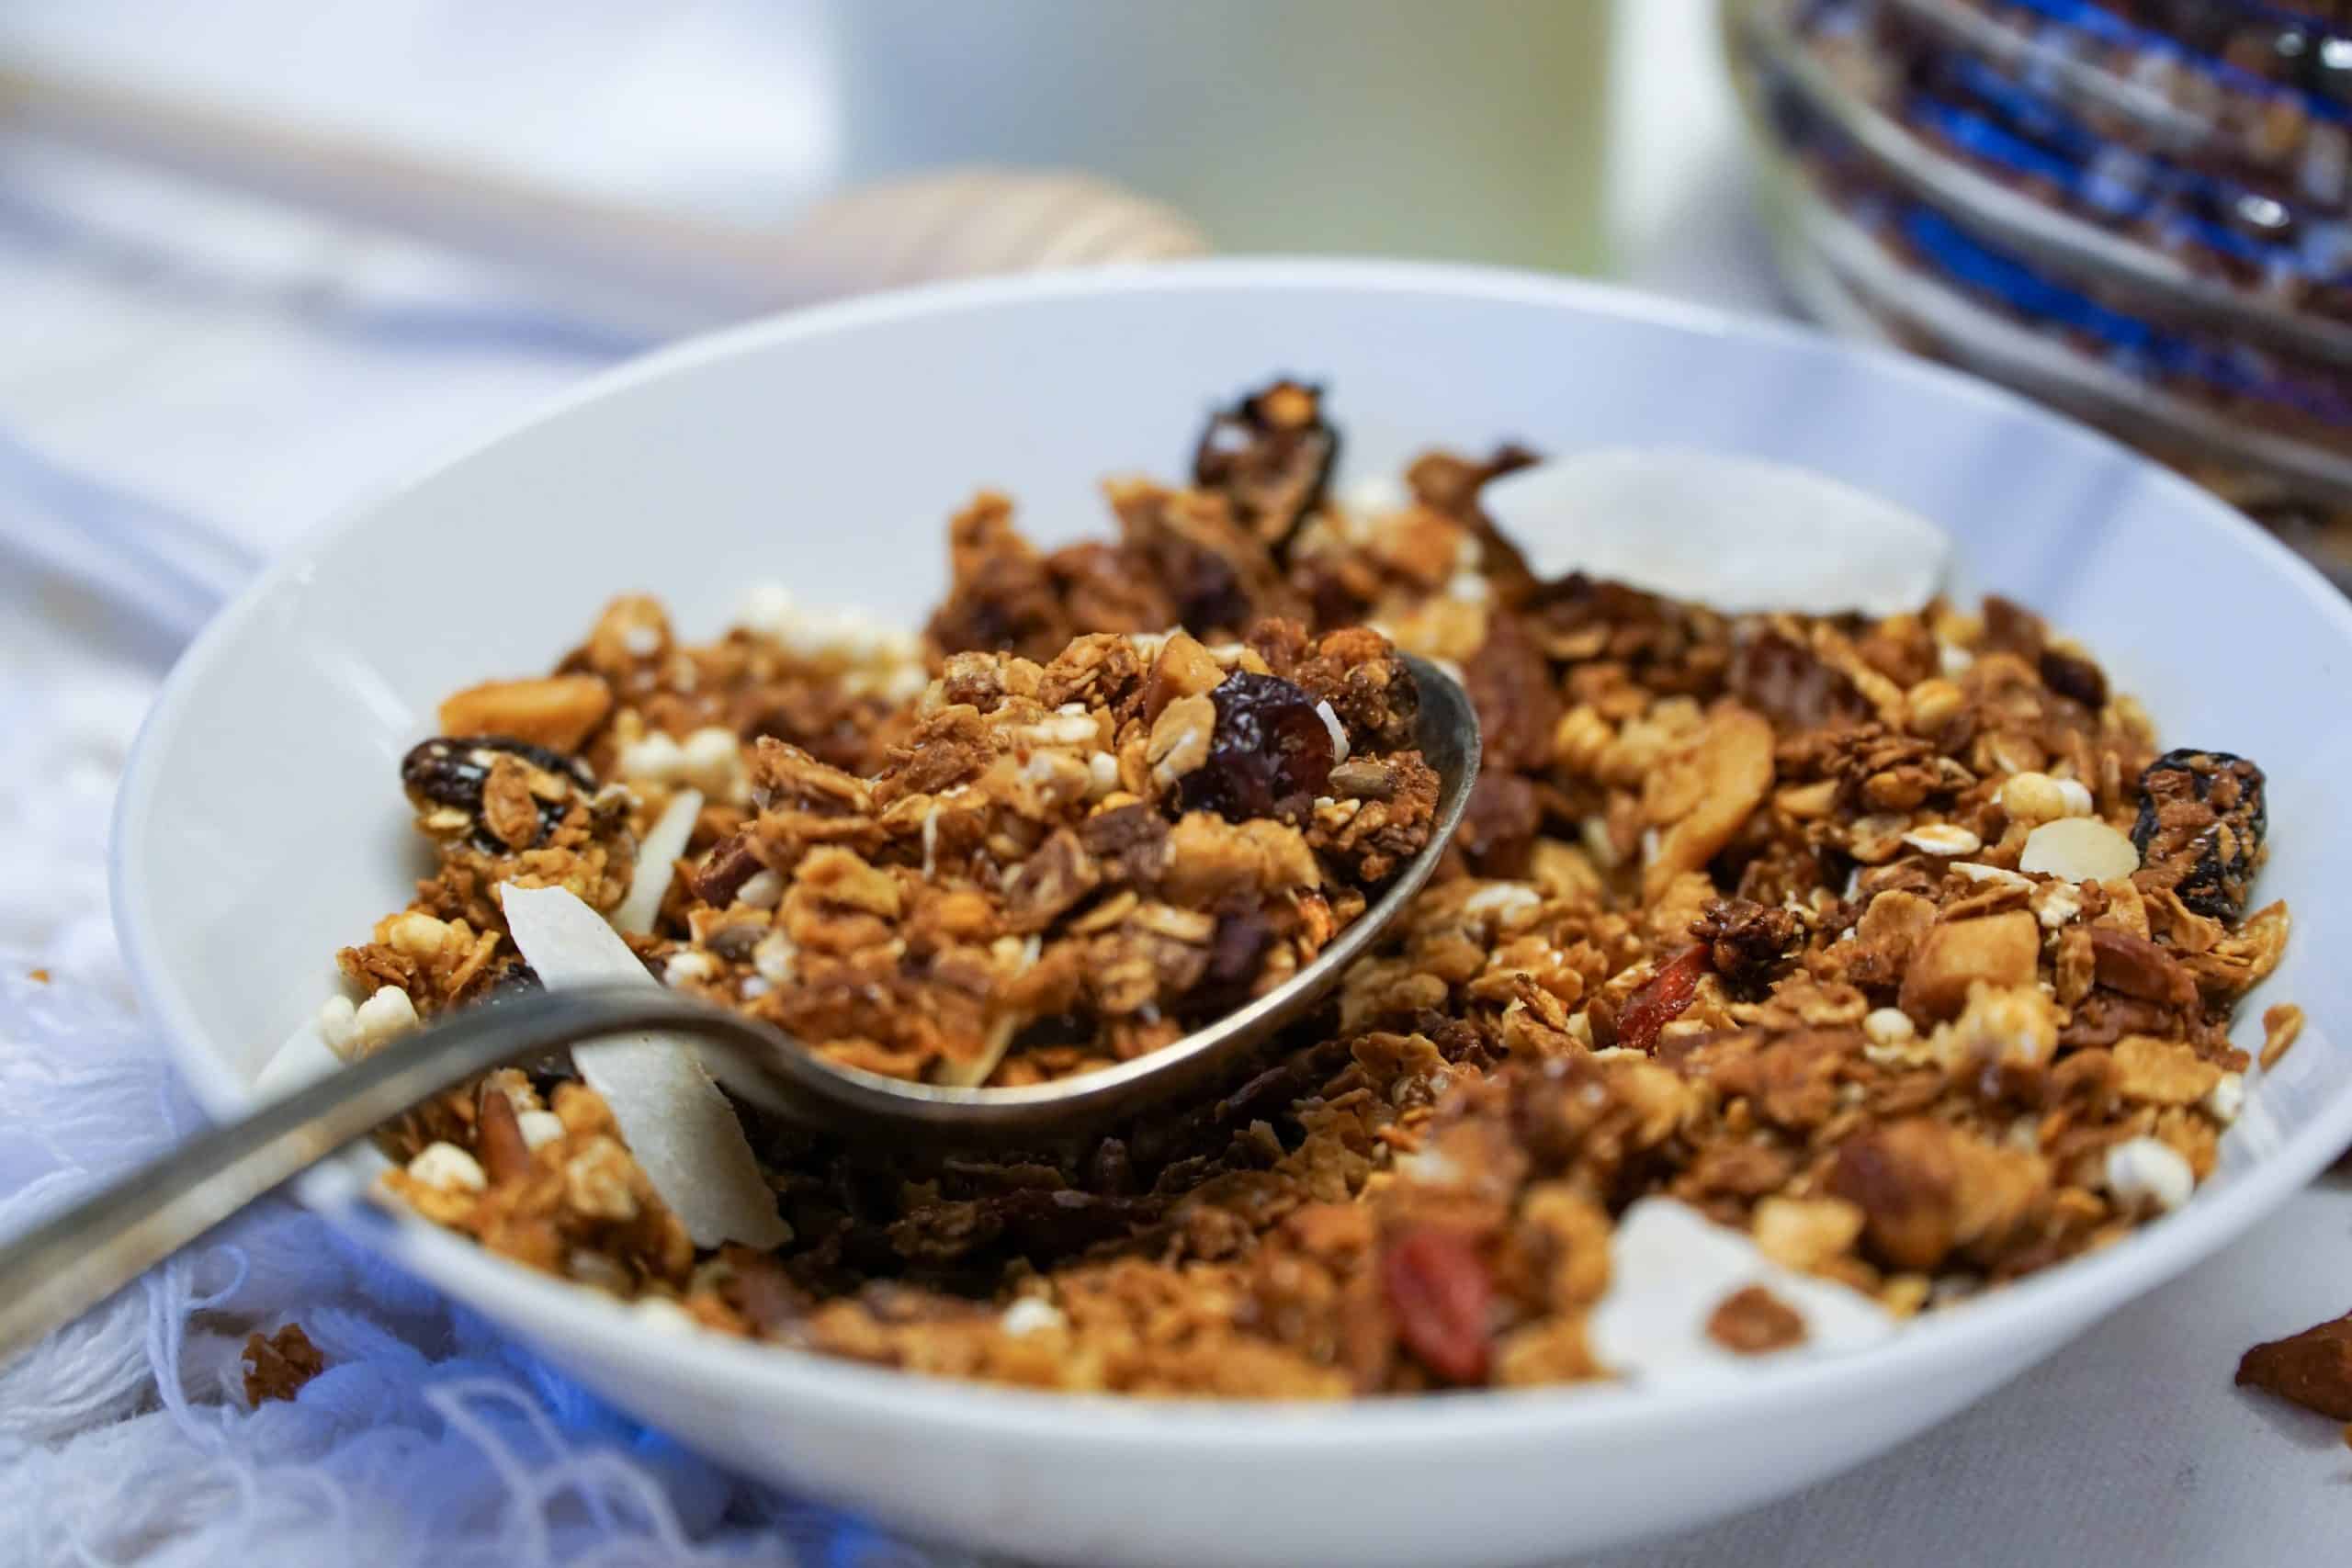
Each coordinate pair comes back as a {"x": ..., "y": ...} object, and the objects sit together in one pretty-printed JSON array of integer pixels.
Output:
[{"x": 70, "y": 1263}]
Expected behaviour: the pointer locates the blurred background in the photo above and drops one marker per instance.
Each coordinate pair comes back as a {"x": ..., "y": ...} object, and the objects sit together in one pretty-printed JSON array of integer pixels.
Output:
[
  {"x": 380, "y": 228},
  {"x": 258, "y": 255}
]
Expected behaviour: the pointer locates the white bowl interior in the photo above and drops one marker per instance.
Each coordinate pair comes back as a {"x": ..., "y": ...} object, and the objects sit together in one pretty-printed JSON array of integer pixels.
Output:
[{"x": 262, "y": 824}]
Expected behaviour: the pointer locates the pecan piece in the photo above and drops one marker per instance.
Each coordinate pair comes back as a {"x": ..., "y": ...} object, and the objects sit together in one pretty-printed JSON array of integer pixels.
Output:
[
  {"x": 498, "y": 1136},
  {"x": 2138, "y": 967}
]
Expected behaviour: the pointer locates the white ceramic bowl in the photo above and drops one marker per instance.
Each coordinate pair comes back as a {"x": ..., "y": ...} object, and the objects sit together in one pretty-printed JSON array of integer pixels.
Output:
[{"x": 261, "y": 824}]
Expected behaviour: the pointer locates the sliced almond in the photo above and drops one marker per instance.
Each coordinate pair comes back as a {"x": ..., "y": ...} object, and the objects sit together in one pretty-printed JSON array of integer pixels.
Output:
[
  {"x": 671, "y": 1115},
  {"x": 2079, "y": 848}
]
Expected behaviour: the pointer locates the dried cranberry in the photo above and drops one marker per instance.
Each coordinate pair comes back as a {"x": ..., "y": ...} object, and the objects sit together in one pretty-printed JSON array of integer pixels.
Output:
[
  {"x": 1270, "y": 754},
  {"x": 1438, "y": 1287},
  {"x": 1662, "y": 998}
]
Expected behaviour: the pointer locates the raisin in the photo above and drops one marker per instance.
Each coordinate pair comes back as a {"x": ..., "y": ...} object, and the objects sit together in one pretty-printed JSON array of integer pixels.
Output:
[
  {"x": 1661, "y": 999},
  {"x": 1237, "y": 953},
  {"x": 1270, "y": 456},
  {"x": 1270, "y": 754},
  {"x": 2071, "y": 676},
  {"x": 1439, "y": 1289},
  {"x": 2202, "y": 821},
  {"x": 448, "y": 774},
  {"x": 2138, "y": 967}
]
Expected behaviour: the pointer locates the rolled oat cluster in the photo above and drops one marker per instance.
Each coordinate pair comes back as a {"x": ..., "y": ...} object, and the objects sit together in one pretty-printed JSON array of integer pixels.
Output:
[{"x": 1789, "y": 976}]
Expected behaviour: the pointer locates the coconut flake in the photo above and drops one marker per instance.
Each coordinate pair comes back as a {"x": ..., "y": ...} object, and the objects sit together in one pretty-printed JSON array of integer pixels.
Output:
[
  {"x": 1738, "y": 534},
  {"x": 1338, "y": 732},
  {"x": 1670, "y": 1268},
  {"x": 671, "y": 1115},
  {"x": 657, "y": 863}
]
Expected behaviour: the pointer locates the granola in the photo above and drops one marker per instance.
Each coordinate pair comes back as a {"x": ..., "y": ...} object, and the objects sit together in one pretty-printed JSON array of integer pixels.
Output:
[{"x": 1790, "y": 976}]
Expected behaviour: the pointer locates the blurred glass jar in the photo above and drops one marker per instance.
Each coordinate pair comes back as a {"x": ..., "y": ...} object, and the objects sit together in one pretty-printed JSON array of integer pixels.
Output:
[{"x": 1469, "y": 129}]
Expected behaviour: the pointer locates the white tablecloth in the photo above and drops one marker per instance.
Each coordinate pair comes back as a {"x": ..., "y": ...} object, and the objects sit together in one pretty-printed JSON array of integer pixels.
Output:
[{"x": 256, "y": 385}]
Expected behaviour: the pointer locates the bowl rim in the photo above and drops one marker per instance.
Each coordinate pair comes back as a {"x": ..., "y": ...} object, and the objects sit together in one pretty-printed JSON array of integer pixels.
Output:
[{"x": 2040, "y": 1310}]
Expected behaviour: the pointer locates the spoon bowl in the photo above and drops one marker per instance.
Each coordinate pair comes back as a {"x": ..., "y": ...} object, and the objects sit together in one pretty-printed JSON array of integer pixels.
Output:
[{"x": 809, "y": 1088}]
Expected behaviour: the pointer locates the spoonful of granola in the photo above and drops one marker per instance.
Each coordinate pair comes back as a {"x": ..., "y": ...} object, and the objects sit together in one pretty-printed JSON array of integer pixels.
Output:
[{"x": 1074, "y": 890}]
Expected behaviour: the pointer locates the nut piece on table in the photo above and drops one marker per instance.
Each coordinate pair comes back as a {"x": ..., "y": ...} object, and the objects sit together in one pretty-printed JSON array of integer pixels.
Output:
[
  {"x": 1999, "y": 950},
  {"x": 2313, "y": 1369},
  {"x": 558, "y": 712}
]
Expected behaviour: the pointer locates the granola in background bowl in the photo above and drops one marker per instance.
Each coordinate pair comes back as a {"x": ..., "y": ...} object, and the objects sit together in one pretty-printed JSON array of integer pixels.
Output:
[{"x": 1793, "y": 974}]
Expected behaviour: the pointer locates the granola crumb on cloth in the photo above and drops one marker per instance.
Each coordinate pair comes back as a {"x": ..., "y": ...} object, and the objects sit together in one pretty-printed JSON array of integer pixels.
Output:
[
  {"x": 277, "y": 1365},
  {"x": 1849, "y": 966}
]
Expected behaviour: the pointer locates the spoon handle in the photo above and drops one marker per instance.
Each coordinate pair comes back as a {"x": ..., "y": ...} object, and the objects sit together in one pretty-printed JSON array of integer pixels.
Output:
[{"x": 70, "y": 1263}]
